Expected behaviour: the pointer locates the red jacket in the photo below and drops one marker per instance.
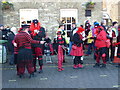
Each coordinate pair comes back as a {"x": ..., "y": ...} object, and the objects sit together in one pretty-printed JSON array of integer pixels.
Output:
[{"x": 101, "y": 39}]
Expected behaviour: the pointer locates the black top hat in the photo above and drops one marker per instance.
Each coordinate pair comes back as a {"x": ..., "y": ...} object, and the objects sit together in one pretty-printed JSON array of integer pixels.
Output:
[
  {"x": 25, "y": 26},
  {"x": 35, "y": 21}
]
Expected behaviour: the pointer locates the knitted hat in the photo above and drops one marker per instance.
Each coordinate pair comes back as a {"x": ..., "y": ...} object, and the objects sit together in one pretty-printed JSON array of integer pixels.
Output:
[
  {"x": 96, "y": 24},
  {"x": 80, "y": 29}
]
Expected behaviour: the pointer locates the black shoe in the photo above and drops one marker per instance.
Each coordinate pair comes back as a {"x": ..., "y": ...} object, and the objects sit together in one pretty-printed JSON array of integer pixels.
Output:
[
  {"x": 118, "y": 66},
  {"x": 64, "y": 61},
  {"x": 35, "y": 70},
  {"x": 11, "y": 63},
  {"x": 21, "y": 76},
  {"x": 97, "y": 65},
  {"x": 40, "y": 71},
  {"x": 32, "y": 75},
  {"x": 103, "y": 66}
]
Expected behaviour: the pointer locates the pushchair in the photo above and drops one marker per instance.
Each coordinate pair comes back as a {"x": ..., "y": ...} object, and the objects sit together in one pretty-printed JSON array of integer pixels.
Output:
[{"x": 48, "y": 50}]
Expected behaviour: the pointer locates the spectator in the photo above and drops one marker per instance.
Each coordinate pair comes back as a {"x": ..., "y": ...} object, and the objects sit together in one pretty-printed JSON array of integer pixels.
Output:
[{"x": 11, "y": 36}]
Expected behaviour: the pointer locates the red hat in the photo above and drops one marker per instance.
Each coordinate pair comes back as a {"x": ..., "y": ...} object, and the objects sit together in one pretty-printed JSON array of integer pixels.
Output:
[
  {"x": 101, "y": 28},
  {"x": 59, "y": 33},
  {"x": 80, "y": 29}
]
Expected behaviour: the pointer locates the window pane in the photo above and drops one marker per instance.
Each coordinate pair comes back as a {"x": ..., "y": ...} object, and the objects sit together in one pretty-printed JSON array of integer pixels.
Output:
[
  {"x": 73, "y": 20},
  {"x": 68, "y": 34},
  {"x": 68, "y": 27},
  {"x": 87, "y": 13},
  {"x": 68, "y": 19},
  {"x": 65, "y": 26},
  {"x": 63, "y": 20}
]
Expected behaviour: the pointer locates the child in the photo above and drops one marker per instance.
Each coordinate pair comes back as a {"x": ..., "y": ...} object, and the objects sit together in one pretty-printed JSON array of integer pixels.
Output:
[
  {"x": 60, "y": 43},
  {"x": 48, "y": 49}
]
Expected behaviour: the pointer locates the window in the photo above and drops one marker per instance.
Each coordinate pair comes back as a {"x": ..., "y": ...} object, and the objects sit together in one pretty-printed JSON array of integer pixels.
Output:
[
  {"x": 27, "y": 15},
  {"x": 68, "y": 16},
  {"x": 88, "y": 13}
]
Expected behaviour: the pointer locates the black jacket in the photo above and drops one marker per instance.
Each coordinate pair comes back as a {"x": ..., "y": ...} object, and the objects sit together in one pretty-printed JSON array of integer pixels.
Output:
[
  {"x": 5, "y": 34},
  {"x": 77, "y": 40},
  {"x": 71, "y": 34},
  {"x": 11, "y": 36},
  {"x": 39, "y": 37},
  {"x": 58, "y": 42}
]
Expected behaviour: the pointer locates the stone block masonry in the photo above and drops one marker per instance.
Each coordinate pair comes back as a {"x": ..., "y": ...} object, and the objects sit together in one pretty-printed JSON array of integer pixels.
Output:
[{"x": 49, "y": 13}]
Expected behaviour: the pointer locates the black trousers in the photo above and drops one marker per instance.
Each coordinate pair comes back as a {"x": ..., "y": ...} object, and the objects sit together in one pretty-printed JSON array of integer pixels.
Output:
[
  {"x": 77, "y": 60},
  {"x": 112, "y": 53},
  {"x": 107, "y": 54}
]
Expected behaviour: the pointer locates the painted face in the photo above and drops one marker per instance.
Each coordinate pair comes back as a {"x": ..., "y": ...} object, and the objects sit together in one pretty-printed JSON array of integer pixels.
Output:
[
  {"x": 110, "y": 29},
  {"x": 62, "y": 27},
  {"x": 116, "y": 25},
  {"x": 73, "y": 25},
  {"x": 36, "y": 25},
  {"x": 59, "y": 35}
]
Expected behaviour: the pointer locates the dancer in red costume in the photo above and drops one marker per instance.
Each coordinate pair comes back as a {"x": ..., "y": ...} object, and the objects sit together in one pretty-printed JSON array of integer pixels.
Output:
[
  {"x": 37, "y": 33},
  {"x": 60, "y": 44}
]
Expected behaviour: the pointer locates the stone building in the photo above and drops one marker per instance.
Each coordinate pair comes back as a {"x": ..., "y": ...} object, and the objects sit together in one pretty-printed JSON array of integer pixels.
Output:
[
  {"x": 111, "y": 9},
  {"x": 119, "y": 12},
  {"x": 50, "y": 13}
]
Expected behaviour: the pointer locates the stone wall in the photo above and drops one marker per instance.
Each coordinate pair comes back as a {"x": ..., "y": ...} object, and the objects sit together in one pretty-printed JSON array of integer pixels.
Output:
[
  {"x": 119, "y": 12},
  {"x": 49, "y": 13},
  {"x": 1, "y": 15}
]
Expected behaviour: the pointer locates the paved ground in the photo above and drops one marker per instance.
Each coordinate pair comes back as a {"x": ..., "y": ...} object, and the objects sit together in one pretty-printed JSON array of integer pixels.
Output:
[{"x": 88, "y": 77}]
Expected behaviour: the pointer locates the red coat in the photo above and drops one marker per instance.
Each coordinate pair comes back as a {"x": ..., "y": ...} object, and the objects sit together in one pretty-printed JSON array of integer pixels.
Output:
[
  {"x": 77, "y": 52},
  {"x": 100, "y": 39}
]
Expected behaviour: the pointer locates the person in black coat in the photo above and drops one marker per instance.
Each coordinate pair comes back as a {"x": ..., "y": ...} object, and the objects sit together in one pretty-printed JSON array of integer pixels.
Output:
[{"x": 11, "y": 36}]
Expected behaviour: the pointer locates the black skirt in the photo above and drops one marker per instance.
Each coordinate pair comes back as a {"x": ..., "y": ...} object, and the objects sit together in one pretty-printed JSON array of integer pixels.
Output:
[
  {"x": 118, "y": 52},
  {"x": 24, "y": 55}
]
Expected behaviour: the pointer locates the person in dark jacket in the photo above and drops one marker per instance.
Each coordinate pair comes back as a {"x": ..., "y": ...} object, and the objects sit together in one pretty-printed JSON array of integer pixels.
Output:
[
  {"x": 11, "y": 36},
  {"x": 37, "y": 33},
  {"x": 73, "y": 31},
  {"x": 113, "y": 39},
  {"x": 87, "y": 27},
  {"x": 78, "y": 51},
  {"x": 118, "y": 44}
]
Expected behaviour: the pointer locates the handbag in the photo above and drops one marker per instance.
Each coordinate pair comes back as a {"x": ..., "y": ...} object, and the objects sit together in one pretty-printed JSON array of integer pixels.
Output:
[
  {"x": 74, "y": 47},
  {"x": 107, "y": 43}
]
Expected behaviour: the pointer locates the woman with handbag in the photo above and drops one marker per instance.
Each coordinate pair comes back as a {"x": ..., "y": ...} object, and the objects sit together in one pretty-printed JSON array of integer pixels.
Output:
[{"x": 77, "y": 48}]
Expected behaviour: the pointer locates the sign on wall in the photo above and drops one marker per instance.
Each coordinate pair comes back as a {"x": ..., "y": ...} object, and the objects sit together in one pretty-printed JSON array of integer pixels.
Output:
[{"x": 27, "y": 15}]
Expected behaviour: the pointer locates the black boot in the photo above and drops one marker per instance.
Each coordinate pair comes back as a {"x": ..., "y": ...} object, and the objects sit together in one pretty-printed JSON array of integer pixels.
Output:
[
  {"x": 40, "y": 71},
  {"x": 21, "y": 76},
  {"x": 35, "y": 70},
  {"x": 97, "y": 65},
  {"x": 32, "y": 75},
  {"x": 103, "y": 66}
]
